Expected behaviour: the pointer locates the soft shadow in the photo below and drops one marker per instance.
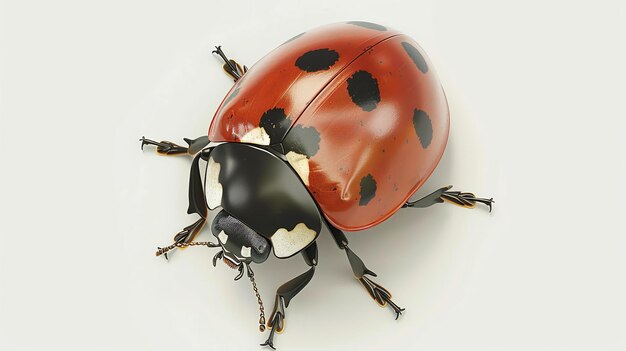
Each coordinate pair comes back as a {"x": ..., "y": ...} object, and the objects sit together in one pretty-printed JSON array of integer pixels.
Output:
[{"x": 391, "y": 249}]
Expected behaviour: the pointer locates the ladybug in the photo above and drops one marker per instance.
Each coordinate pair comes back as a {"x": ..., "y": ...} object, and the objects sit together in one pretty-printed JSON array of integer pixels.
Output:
[{"x": 338, "y": 126}]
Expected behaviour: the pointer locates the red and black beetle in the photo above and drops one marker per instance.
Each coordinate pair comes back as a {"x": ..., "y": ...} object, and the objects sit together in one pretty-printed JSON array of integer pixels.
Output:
[{"x": 339, "y": 125}]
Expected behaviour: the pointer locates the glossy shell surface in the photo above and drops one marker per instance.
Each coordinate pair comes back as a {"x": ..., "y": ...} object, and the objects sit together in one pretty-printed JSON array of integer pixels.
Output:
[{"x": 357, "y": 109}]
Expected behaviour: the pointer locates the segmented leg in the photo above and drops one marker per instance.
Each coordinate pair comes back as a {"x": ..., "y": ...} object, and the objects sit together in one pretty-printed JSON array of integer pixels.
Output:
[
  {"x": 185, "y": 236},
  {"x": 197, "y": 204},
  {"x": 464, "y": 199},
  {"x": 381, "y": 295},
  {"x": 287, "y": 291},
  {"x": 164, "y": 147},
  {"x": 231, "y": 67},
  {"x": 169, "y": 148}
]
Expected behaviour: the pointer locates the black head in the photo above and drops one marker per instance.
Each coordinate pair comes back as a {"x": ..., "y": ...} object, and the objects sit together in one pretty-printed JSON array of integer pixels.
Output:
[
  {"x": 240, "y": 244},
  {"x": 265, "y": 203}
]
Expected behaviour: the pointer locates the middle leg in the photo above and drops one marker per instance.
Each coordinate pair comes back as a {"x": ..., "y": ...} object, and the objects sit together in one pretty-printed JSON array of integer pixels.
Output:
[
  {"x": 169, "y": 148},
  {"x": 381, "y": 295}
]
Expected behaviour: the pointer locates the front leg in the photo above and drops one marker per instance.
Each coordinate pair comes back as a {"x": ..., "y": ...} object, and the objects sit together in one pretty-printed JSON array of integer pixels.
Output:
[
  {"x": 197, "y": 204},
  {"x": 381, "y": 295},
  {"x": 287, "y": 291}
]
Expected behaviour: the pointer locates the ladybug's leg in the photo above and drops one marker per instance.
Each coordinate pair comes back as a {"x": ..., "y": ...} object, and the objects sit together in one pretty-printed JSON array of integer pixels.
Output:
[
  {"x": 169, "y": 148},
  {"x": 287, "y": 291},
  {"x": 467, "y": 200},
  {"x": 231, "y": 67},
  {"x": 197, "y": 204},
  {"x": 381, "y": 295}
]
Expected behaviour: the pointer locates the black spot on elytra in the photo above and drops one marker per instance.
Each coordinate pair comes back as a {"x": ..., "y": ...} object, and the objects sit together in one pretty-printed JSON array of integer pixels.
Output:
[
  {"x": 368, "y": 190},
  {"x": 363, "y": 89},
  {"x": 416, "y": 56},
  {"x": 302, "y": 140},
  {"x": 368, "y": 25},
  {"x": 231, "y": 96},
  {"x": 275, "y": 123},
  {"x": 293, "y": 38},
  {"x": 317, "y": 60},
  {"x": 423, "y": 127}
]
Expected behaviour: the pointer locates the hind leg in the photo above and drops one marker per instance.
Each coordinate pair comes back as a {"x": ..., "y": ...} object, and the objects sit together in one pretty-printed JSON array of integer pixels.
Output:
[
  {"x": 463, "y": 199},
  {"x": 231, "y": 67}
]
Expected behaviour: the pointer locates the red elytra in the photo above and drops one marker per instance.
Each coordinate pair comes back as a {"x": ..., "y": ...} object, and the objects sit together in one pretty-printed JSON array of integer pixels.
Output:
[{"x": 375, "y": 102}]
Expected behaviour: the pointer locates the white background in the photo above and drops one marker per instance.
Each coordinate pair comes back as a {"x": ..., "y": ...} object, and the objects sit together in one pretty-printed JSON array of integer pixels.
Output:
[{"x": 536, "y": 91}]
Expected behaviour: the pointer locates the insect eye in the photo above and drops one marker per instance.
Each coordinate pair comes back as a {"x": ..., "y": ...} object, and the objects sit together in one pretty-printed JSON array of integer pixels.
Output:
[{"x": 261, "y": 247}]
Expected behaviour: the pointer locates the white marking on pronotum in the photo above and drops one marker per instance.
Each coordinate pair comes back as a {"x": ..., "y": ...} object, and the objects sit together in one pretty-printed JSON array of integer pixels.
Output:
[
  {"x": 257, "y": 135},
  {"x": 300, "y": 164},
  {"x": 288, "y": 242},
  {"x": 212, "y": 186},
  {"x": 245, "y": 251},
  {"x": 223, "y": 237}
]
